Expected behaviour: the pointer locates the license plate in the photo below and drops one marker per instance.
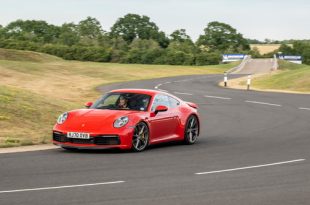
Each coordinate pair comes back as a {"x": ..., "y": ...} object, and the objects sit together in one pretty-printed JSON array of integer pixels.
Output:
[{"x": 78, "y": 135}]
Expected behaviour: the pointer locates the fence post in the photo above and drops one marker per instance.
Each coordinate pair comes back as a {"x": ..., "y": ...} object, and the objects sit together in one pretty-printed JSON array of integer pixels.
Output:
[
  {"x": 248, "y": 82},
  {"x": 225, "y": 79}
]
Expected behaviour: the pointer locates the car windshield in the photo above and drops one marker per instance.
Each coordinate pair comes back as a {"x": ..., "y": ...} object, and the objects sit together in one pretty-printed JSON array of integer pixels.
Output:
[{"x": 123, "y": 101}]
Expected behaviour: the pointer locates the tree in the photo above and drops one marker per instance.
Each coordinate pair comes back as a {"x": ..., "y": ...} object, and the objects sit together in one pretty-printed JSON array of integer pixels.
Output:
[
  {"x": 255, "y": 53},
  {"x": 222, "y": 37},
  {"x": 143, "y": 51},
  {"x": 1, "y": 32},
  {"x": 208, "y": 58},
  {"x": 175, "y": 57},
  {"x": 180, "y": 36},
  {"x": 90, "y": 31},
  {"x": 118, "y": 47},
  {"x": 69, "y": 34},
  {"x": 287, "y": 50},
  {"x": 133, "y": 26},
  {"x": 186, "y": 47},
  {"x": 133, "y": 39},
  {"x": 306, "y": 55},
  {"x": 302, "y": 48},
  {"x": 181, "y": 50},
  {"x": 37, "y": 31},
  {"x": 90, "y": 28}
]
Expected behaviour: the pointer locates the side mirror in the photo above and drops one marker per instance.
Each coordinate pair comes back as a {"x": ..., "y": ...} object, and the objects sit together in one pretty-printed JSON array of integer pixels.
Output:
[
  {"x": 161, "y": 108},
  {"x": 88, "y": 104}
]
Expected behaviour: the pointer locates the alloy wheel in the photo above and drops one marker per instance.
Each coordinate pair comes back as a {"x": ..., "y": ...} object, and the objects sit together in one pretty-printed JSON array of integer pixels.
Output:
[
  {"x": 140, "y": 137},
  {"x": 192, "y": 130}
]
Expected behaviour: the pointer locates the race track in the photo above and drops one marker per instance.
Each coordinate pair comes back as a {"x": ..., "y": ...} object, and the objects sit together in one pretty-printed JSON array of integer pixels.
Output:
[{"x": 253, "y": 149}]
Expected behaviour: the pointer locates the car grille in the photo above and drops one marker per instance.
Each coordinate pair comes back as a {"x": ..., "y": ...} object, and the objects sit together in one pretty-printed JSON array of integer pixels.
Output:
[
  {"x": 107, "y": 140},
  {"x": 98, "y": 140},
  {"x": 59, "y": 137}
]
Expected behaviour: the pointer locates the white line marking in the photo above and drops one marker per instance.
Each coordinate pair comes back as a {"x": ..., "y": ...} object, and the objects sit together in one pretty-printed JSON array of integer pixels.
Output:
[
  {"x": 184, "y": 80},
  {"x": 156, "y": 87},
  {"x": 304, "y": 108},
  {"x": 162, "y": 90},
  {"x": 263, "y": 103},
  {"x": 251, "y": 167},
  {"x": 177, "y": 81},
  {"x": 61, "y": 187},
  {"x": 217, "y": 97},
  {"x": 182, "y": 93}
]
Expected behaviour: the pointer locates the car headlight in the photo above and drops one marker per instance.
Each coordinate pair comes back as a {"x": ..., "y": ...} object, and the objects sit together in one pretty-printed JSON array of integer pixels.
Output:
[
  {"x": 120, "y": 122},
  {"x": 62, "y": 118}
]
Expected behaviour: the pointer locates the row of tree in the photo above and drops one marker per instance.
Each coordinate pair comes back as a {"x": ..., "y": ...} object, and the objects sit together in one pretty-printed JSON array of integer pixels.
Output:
[
  {"x": 296, "y": 47},
  {"x": 132, "y": 39},
  {"x": 299, "y": 48}
]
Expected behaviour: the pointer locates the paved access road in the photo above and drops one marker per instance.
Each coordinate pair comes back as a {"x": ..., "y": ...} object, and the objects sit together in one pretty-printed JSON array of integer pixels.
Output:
[
  {"x": 257, "y": 66},
  {"x": 253, "y": 149}
]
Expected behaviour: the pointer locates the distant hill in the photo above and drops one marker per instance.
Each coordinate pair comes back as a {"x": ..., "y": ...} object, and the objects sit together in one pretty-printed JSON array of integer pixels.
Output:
[{"x": 19, "y": 55}]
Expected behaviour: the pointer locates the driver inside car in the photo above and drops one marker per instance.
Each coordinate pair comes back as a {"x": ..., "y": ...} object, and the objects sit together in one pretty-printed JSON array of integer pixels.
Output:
[{"x": 123, "y": 103}]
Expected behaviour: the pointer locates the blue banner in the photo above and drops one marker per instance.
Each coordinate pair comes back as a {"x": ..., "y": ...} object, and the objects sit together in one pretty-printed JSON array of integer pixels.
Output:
[
  {"x": 290, "y": 57},
  {"x": 233, "y": 57}
]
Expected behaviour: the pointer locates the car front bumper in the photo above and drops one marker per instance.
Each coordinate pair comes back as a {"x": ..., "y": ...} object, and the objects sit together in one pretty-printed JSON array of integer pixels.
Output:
[{"x": 121, "y": 140}]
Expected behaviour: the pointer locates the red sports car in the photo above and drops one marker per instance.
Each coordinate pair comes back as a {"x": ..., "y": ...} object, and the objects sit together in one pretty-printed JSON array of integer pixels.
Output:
[{"x": 128, "y": 119}]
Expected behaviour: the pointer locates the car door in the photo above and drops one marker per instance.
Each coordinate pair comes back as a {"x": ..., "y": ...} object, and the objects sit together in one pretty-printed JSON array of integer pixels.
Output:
[
  {"x": 175, "y": 113},
  {"x": 163, "y": 123}
]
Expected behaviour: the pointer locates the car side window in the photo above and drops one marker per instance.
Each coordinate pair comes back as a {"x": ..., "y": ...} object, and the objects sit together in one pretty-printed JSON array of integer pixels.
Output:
[
  {"x": 160, "y": 100},
  {"x": 173, "y": 102}
]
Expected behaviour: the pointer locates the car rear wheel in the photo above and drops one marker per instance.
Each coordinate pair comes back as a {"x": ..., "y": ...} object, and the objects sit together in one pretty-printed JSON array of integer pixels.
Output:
[
  {"x": 191, "y": 130},
  {"x": 140, "y": 137}
]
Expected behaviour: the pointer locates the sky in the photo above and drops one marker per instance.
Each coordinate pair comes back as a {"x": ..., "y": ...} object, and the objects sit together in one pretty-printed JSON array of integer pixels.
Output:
[{"x": 255, "y": 19}]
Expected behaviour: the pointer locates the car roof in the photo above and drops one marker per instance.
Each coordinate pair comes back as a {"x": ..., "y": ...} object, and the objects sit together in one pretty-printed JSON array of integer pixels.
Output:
[
  {"x": 143, "y": 91},
  {"x": 140, "y": 91}
]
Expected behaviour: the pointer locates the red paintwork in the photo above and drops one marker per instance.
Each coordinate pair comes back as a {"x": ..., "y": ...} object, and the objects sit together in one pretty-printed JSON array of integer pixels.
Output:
[{"x": 164, "y": 126}]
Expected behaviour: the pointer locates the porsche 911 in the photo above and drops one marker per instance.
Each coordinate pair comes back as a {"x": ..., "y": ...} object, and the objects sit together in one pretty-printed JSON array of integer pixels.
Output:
[{"x": 128, "y": 119}]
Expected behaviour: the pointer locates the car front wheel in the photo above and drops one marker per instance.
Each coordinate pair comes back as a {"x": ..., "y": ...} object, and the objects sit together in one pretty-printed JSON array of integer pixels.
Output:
[{"x": 140, "y": 137}]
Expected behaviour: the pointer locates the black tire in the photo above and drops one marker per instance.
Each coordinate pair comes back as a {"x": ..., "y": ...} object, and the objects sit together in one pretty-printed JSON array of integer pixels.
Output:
[
  {"x": 191, "y": 131},
  {"x": 140, "y": 138}
]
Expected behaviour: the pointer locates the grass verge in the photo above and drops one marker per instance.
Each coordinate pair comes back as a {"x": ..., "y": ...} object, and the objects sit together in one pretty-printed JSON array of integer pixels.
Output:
[{"x": 289, "y": 78}]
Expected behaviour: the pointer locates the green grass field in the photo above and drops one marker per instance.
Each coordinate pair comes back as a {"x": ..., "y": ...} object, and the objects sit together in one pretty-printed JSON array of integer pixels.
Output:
[
  {"x": 290, "y": 77},
  {"x": 35, "y": 88}
]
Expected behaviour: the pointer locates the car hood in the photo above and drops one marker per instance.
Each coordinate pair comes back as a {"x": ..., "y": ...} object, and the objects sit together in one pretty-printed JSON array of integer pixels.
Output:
[{"x": 93, "y": 120}]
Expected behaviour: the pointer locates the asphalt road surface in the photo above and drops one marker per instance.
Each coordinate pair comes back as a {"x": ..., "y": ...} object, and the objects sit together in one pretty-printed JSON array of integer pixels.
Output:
[
  {"x": 257, "y": 66},
  {"x": 253, "y": 149}
]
